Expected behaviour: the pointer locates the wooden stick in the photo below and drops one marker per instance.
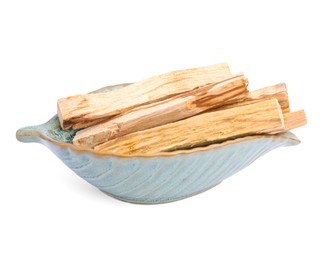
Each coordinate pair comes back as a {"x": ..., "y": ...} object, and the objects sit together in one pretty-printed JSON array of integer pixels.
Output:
[
  {"x": 84, "y": 110},
  {"x": 294, "y": 119},
  {"x": 260, "y": 117},
  {"x": 278, "y": 91},
  {"x": 171, "y": 110}
]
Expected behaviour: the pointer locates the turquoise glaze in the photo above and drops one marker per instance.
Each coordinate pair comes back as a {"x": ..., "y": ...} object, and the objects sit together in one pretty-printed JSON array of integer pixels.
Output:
[{"x": 154, "y": 179}]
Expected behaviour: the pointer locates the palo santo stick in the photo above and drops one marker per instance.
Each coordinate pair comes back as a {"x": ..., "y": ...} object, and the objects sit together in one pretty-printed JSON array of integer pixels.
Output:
[
  {"x": 84, "y": 110},
  {"x": 278, "y": 91},
  {"x": 167, "y": 111},
  {"x": 294, "y": 119},
  {"x": 260, "y": 117}
]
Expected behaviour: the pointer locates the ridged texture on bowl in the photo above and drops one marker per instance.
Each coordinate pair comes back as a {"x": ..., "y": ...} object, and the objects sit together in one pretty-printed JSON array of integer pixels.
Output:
[
  {"x": 163, "y": 179},
  {"x": 155, "y": 179}
]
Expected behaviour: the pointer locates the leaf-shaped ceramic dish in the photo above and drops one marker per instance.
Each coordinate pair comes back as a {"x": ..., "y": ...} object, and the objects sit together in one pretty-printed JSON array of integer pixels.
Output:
[{"x": 154, "y": 179}]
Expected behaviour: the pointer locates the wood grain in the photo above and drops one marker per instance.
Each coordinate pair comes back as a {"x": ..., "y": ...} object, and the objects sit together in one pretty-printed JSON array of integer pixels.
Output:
[
  {"x": 176, "y": 108},
  {"x": 260, "y": 117},
  {"x": 294, "y": 119},
  {"x": 278, "y": 91},
  {"x": 85, "y": 110}
]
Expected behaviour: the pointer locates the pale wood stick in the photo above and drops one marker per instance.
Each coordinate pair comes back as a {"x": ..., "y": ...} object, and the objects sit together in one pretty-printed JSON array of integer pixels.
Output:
[
  {"x": 260, "y": 117},
  {"x": 278, "y": 91},
  {"x": 84, "y": 110},
  {"x": 171, "y": 110},
  {"x": 294, "y": 119}
]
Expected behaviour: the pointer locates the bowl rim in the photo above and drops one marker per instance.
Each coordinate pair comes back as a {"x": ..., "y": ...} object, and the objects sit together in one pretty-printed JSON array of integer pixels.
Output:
[
  {"x": 285, "y": 136},
  {"x": 35, "y": 133}
]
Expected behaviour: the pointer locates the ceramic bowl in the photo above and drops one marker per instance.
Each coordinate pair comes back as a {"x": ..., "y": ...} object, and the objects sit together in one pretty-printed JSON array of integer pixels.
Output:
[{"x": 158, "y": 178}]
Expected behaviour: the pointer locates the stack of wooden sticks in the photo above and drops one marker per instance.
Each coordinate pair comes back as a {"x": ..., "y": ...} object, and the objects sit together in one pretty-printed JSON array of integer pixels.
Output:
[{"x": 177, "y": 110}]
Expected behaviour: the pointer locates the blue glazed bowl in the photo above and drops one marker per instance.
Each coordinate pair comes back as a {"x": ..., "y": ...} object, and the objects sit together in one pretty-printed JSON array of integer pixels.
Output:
[{"x": 160, "y": 178}]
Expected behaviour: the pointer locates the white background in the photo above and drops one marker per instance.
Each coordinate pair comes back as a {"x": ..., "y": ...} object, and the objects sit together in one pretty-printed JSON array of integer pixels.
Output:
[{"x": 274, "y": 209}]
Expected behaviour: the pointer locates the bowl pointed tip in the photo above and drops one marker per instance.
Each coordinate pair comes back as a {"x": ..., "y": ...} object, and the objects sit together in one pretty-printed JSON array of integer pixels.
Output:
[{"x": 27, "y": 134}]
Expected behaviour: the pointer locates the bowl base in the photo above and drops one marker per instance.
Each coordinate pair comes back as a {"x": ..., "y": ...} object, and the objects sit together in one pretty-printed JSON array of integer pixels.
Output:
[{"x": 156, "y": 201}]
